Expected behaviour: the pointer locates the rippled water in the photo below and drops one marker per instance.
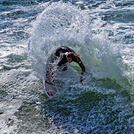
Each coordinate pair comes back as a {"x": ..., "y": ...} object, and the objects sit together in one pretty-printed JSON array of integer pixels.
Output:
[{"x": 102, "y": 32}]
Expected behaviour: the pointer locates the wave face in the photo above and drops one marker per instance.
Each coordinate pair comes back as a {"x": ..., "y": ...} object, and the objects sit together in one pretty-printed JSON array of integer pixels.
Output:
[
  {"x": 101, "y": 32},
  {"x": 65, "y": 25}
]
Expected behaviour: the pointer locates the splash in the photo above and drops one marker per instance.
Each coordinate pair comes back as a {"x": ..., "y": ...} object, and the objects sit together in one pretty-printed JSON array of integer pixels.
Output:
[
  {"x": 63, "y": 24},
  {"x": 58, "y": 25}
]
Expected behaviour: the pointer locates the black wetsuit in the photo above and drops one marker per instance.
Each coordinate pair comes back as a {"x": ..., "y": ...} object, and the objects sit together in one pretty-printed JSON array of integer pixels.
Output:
[{"x": 60, "y": 52}]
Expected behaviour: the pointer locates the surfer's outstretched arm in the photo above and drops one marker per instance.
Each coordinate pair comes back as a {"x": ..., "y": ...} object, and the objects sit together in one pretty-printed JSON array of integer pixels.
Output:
[
  {"x": 81, "y": 65},
  {"x": 82, "y": 71}
]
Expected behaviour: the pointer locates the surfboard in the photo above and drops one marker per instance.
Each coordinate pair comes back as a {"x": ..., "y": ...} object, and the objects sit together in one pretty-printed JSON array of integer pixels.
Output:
[{"x": 49, "y": 78}]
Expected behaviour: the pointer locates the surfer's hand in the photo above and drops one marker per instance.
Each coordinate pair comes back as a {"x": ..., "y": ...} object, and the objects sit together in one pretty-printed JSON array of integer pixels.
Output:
[
  {"x": 81, "y": 78},
  {"x": 82, "y": 73}
]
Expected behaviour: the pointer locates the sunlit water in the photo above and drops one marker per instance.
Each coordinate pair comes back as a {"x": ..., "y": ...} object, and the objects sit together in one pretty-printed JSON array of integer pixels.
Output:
[{"x": 102, "y": 32}]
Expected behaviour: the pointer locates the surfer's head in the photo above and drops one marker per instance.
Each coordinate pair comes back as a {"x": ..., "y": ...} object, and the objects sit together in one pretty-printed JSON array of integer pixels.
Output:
[{"x": 72, "y": 57}]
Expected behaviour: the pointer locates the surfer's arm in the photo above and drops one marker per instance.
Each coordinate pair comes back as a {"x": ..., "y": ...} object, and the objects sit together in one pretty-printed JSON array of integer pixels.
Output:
[
  {"x": 82, "y": 71},
  {"x": 82, "y": 66}
]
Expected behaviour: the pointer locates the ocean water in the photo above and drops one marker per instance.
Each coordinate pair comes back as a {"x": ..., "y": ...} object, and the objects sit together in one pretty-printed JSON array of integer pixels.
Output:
[{"x": 102, "y": 32}]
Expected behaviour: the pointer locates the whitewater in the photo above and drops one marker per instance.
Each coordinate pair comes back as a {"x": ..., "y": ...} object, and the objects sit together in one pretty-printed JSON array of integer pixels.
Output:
[{"x": 102, "y": 32}]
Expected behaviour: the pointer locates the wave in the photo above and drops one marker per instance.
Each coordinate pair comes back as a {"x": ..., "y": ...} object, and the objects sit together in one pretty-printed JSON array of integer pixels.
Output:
[{"x": 63, "y": 24}]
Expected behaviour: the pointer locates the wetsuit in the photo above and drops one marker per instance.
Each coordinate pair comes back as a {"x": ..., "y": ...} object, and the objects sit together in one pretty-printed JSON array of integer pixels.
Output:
[{"x": 60, "y": 52}]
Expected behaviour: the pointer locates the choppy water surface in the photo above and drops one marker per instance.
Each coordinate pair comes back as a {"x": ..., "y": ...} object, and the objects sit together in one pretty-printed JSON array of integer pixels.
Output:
[{"x": 102, "y": 32}]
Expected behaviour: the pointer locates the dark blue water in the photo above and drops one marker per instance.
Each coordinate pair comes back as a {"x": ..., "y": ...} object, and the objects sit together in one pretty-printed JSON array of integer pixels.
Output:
[{"x": 102, "y": 32}]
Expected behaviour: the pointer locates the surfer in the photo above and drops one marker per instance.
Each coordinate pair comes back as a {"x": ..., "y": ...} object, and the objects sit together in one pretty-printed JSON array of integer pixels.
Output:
[
  {"x": 68, "y": 55},
  {"x": 62, "y": 55}
]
